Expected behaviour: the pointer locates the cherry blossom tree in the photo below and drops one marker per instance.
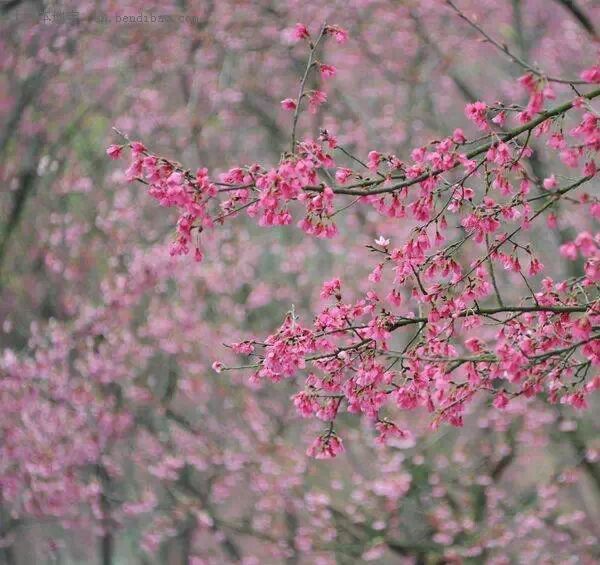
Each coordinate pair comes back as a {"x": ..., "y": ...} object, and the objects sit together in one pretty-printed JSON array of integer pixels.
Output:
[
  {"x": 543, "y": 340},
  {"x": 423, "y": 309}
]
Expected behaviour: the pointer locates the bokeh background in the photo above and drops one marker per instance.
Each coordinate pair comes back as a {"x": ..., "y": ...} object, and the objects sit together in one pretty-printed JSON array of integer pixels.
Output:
[{"x": 118, "y": 443}]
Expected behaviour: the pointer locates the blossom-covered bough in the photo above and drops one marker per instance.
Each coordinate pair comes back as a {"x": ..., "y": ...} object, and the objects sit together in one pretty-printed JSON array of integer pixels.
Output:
[{"x": 434, "y": 328}]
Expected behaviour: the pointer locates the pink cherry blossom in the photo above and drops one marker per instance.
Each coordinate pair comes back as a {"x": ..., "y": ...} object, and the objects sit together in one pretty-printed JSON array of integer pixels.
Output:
[{"x": 289, "y": 104}]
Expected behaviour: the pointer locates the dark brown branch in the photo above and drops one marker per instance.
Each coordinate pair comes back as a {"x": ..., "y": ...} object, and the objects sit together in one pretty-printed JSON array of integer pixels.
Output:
[
  {"x": 507, "y": 136},
  {"x": 499, "y": 310}
]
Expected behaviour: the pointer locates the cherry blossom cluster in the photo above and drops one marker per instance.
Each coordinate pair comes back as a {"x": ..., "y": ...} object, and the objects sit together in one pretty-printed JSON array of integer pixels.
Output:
[{"x": 471, "y": 204}]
